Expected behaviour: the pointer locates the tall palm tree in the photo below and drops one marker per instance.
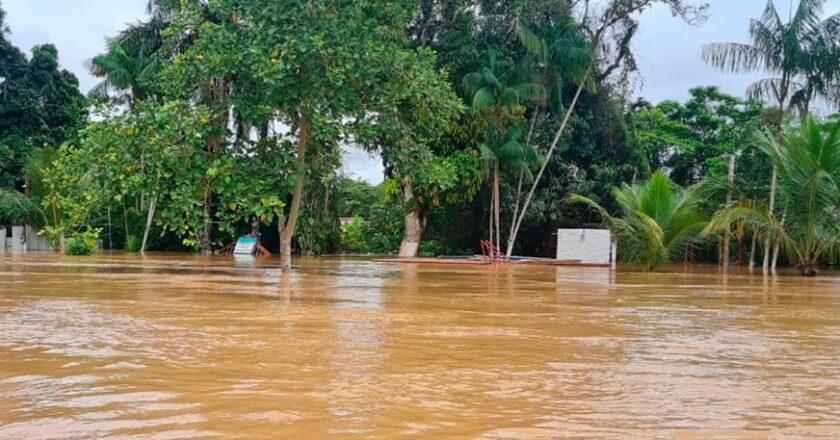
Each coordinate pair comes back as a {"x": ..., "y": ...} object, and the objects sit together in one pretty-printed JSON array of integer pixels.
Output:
[
  {"x": 136, "y": 54},
  {"x": 658, "y": 220},
  {"x": 128, "y": 74},
  {"x": 819, "y": 70},
  {"x": 501, "y": 96},
  {"x": 564, "y": 57},
  {"x": 808, "y": 161},
  {"x": 784, "y": 51}
]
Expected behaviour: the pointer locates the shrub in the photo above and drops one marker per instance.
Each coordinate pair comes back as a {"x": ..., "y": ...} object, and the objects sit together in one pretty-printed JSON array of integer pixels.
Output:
[
  {"x": 133, "y": 243},
  {"x": 82, "y": 243},
  {"x": 353, "y": 236},
  {"x": 431, "y": 248}
]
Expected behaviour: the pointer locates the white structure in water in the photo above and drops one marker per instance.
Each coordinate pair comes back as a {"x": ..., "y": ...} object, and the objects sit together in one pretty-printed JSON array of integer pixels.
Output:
[
  {"x": 586, "y": 246},
  {"x": 23, "y": 239}
]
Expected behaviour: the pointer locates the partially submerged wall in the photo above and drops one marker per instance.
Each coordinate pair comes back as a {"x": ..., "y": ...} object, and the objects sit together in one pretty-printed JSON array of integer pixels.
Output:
[
  {"x": 587, "y": 246},
  {"x": 23, "y": 239}
]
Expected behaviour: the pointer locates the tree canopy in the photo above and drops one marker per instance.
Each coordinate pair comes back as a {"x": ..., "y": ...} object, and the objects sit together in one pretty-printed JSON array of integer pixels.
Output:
[{"x": 40, "y": 105}]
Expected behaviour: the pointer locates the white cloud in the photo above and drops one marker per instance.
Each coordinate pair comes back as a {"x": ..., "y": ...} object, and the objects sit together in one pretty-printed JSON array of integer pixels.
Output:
[{"x": 668, "y": 50}]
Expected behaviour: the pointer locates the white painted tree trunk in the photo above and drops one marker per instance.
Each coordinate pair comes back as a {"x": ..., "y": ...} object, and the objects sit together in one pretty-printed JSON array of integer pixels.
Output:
[
  {"x": 149, "y": 218},
  {"x": 413, "y": 233},
  {"x": 771, "y": 209}
]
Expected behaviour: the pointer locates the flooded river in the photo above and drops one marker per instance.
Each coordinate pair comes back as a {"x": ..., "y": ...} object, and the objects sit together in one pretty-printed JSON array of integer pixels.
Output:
[{"x": 176, "y": 346}]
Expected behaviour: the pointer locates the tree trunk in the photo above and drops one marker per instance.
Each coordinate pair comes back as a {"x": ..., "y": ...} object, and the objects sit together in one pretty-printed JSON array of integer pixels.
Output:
[
  {"x": 752, "y": 250},
  {"x": 497, "y": 200},
  {"x": 727, "y": 236},
  {"x": 204, "y": 242},
  {"x": 771, "y": 209},
  {"x": 518, "y": 199},
  {"x": 809, "y": 267},
  {"x": 779, "y": 138},
  {"x": 547, "y": 160},
  {"x": 492, "y": 210},
  {"x": 414, "y": 225},
  {"x": 149, "y": 218},
  {"x": 255, "y": 227},
  {"x": 598, "y": 35},
  {"x": 205, "y": 234},
  {"x": 288, "y": 230}
]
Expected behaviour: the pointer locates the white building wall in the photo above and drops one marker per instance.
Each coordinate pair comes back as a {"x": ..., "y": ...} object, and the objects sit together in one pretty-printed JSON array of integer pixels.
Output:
[
  {"x": 18, "y": 243},
  {"x": 587, "y": 246},
  {"x": 35, "y": 242}
]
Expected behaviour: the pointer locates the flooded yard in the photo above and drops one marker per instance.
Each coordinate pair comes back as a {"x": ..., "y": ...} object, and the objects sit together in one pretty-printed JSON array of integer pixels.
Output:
[{"x": 176, "y": 346}]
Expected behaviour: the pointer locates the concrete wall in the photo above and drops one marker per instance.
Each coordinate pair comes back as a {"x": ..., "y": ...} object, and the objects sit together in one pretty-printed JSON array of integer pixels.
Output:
[
  {"x": 35, "y": 242},
  {"x": 18, "y": 243},
  {"x": 23, "y": 239},
  {"x": 588, "y": 246}
]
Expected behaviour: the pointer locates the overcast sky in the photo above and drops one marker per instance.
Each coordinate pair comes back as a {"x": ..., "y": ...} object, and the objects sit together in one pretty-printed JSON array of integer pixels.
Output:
[{"x": 667, "y": 50}]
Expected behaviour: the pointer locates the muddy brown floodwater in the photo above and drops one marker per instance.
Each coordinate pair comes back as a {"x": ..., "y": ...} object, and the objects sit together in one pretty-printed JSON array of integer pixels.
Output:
[{"x": 175, "y": 346}]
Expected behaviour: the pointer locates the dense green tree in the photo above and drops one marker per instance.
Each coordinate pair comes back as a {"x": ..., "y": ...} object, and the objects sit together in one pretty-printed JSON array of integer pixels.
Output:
[
  {"x": 501, "y": 94},
  {"x": 808, "y": 163},
  {"x": 692, "y": 139},
  {"x": 608, "y": 29},
  {"x": 310, "y": 66},
  {"x": 156, "y": 153},
  {"x": 40, "y": 105},
  {"x": 794, "y": 52}
]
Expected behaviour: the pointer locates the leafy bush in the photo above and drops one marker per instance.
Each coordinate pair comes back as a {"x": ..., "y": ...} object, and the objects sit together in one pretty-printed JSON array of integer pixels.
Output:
[
  {"x": 431, "y": 248},
  {"x": 353, "y": 236},
  {"x": 133, "y": 243},
  {"x": 82, "y": 243}
]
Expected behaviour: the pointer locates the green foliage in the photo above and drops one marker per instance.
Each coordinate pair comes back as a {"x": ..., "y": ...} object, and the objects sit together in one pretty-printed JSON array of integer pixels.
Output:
[
  {"x": 431, "y": 248},
  {"x": 17, "y": 209},
  {"x": 354, "y": 236},
  {"x": 380, "y": 230},
  {"x": 40, "y": 105},
  {"x": 658, "y": 220},
  {"x": 693, "y": 139},
  {"x": 133, "y": 243},
  {"x": 82, "y": 243},
  {"x": 157, "y": 152},
  {"x": 808, "y": 163},
  {"x": 356, "y": 198},
  {"x": 129, "y": 72}
]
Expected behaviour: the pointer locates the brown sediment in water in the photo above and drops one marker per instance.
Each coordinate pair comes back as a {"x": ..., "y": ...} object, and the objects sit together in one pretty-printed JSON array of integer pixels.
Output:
[
  {"x": 478, "y": 261},
  {"x": 176, "y": 346}
]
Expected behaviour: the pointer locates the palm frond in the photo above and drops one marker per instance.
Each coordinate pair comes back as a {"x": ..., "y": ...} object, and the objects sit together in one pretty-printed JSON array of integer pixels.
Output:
[
  {"x": 734, "y": 57},
  {"x": 17, "y": 209},
  {"x": 581, "y": 200},
  {"x": 484, "y": 98},
  {"x": 808, "y": 14},
  {"x": 532, "y": 43}
]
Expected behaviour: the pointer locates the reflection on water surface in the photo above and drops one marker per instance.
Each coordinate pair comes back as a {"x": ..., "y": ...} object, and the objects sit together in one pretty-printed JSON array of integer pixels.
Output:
[{"x": 176, "y": 346}]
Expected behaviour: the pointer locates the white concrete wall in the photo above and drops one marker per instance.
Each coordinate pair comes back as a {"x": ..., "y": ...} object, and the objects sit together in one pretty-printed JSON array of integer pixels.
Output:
[
  {"x": 18, "y": 243},
  {"x": 24, "y": 239},
  {"x": 588, "y": 246},
  {"x": 35, "y": 242}
]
